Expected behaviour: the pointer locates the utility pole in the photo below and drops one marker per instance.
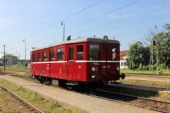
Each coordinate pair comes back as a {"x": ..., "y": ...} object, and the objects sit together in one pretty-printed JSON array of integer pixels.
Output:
[
  {"x": 153, "y": 43},
  {"x": 18, "y": 55},
  {"x": 63, "y": 24},
  {"x": 4, "y": 57},
  {"x": 151, "y": 55},
  {"x": 25, "y": 53}
]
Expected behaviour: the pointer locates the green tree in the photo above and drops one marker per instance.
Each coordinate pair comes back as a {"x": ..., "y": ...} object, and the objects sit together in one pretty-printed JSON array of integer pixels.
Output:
[
  {"x": 167, "y": 27},
  {"x": 10, "y": 59},
  {"x": 138, "y": 55},
  {"x": 161, "y": 47}
]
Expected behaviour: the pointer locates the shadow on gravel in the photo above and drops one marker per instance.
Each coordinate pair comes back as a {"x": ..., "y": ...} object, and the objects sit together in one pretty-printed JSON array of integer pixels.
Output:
[
  {"x": 112, "y": 92},
  {"x": 145, "y": 93},
  {"x": 2, "y": 73}
]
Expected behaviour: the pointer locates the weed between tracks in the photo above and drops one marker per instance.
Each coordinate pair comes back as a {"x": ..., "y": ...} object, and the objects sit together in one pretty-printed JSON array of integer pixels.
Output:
[{"x": 48, "y": 106}]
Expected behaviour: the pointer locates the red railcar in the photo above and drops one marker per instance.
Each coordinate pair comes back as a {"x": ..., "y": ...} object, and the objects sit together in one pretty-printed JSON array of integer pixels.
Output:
[{"x": 86, "y": 61}]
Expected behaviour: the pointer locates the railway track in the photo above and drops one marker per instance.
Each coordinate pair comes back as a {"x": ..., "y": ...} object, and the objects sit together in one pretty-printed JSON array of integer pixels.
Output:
[
  {"x": 22, "y": 101},
  {"x": 151, "y": 104}
]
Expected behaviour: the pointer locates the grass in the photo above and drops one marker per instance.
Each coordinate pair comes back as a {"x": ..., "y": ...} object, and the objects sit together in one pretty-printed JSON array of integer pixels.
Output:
[
  {"x": 47, "y": 105},
  {"x": 165, "y": 94},
  {"x": 9, "y": 105},
  {"x": 17, "y": 68},
  {"x": 128, "y": 71}
]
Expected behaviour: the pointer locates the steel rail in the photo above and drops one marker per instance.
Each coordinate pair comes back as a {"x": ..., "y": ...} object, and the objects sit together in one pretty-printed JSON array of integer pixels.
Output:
[{"x": 22, "y": 101}]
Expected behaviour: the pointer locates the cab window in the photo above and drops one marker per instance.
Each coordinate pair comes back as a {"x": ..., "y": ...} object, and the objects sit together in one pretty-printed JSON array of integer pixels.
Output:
[{"x": 80, "y": 52}]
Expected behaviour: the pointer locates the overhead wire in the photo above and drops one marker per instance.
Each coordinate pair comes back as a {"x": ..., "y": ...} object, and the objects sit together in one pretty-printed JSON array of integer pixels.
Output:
[
  {"x": 106, "y": 13},
  {"x": 85, "y": 8},
  {"x": 66, "y": 17},
  {"x": 146, "y": 20},
  {"x": 109, "y": 23}
]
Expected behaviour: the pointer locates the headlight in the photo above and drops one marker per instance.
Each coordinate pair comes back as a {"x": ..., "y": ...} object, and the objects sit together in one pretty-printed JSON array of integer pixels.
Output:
[
  {"x": 117, "y": 68},
  {"x": 93, "y": 76},
  {"x": 93, "y": 68}
]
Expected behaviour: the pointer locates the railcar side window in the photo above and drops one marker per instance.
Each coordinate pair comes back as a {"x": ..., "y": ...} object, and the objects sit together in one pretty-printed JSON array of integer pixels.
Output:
[
  {"x": 60, "y": 54},
  {"x": 39, "y": 56},
  {"x": 33, "y": 58},
  {"x": 45, "y": 56},
  {"x": 94, "y": 52},
  {"x": 80, "y": 52},
  {"x": 51, "y": 54},
  {"x": 71, "y": 53}
]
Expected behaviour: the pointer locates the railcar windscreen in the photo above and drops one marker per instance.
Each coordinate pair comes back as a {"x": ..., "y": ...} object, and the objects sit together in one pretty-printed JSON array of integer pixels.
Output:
[{"x": 94, "y": 52}]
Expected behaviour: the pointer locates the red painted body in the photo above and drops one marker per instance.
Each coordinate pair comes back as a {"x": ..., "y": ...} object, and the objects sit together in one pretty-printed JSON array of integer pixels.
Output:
[{"x": 77, "y": 63}]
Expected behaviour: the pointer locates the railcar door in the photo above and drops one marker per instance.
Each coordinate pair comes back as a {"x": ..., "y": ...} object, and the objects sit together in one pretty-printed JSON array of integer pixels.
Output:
[
  {"x": 71, "y": 63},
  {"x": 45, "y": 66},
  {"x": 104, "y": 59},
  {"x": 51, "y": 59}
]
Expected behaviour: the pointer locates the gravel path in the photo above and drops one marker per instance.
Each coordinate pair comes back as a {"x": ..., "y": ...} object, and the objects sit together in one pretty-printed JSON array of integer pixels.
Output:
[
  {"x": 148, "y": 77},
  {"x": 88, "y": 103}
]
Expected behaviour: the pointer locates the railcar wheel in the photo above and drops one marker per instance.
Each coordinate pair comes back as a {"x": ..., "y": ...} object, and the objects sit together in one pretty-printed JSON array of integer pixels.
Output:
[
  {"x": 122, "y": 76},
  {"x": 41, "y": 80},
  {"x": 48, "y": 81}
]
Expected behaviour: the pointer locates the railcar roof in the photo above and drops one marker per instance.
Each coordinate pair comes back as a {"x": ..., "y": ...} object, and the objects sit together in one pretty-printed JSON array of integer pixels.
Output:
[{"x": 98, "y": 40}]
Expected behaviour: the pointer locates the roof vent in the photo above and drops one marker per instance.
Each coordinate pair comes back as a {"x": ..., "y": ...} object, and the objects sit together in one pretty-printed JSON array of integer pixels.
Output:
[
  {"x": 69, "y": 38},
  {"x": 105, "y": 37}
]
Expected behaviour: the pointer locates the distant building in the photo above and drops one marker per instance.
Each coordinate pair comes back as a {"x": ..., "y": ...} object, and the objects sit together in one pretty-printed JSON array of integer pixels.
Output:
[
  {"x": 22, "y": 62},
  {"x": 123, "y": 59}
]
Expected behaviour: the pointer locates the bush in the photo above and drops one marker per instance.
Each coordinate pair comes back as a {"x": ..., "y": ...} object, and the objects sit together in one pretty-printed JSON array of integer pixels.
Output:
[
  {"x": 143, "y": 67},
  {"x": 146, "y": 68},
  {"x": 140, "y": 67}
]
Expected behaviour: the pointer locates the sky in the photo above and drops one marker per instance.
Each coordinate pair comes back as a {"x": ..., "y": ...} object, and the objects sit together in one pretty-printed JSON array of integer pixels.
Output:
[{"x": 39, "y": 21}]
